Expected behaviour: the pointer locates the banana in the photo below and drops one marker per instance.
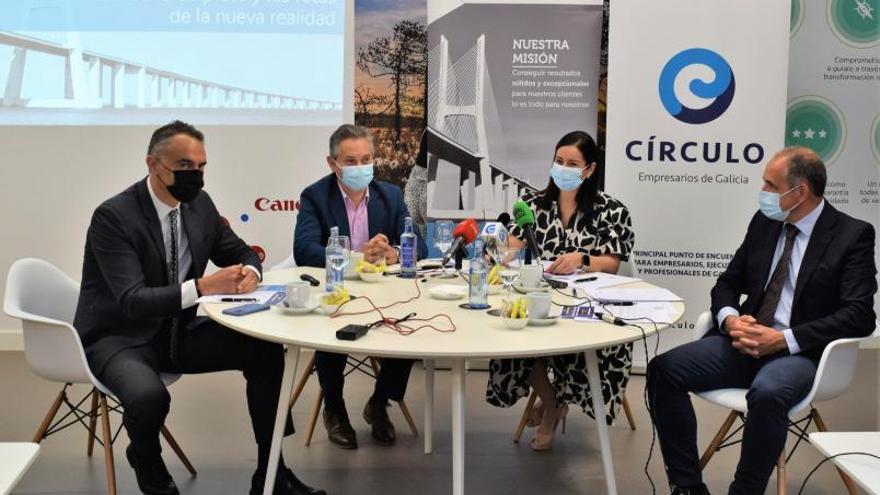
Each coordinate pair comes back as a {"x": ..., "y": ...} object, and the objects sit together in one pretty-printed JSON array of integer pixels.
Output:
[
  {"x": 494, "y": 278},
  {"x": 522, "y": 309},
  {"x": 366, "y": 267},
  {"x": 337, "y": 297}
]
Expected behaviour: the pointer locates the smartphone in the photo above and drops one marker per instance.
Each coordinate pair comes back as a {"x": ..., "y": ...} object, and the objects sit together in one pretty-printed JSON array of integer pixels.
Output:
[
  {"x": 245, "y": 309},
  {"x": 556, "y": 284}
]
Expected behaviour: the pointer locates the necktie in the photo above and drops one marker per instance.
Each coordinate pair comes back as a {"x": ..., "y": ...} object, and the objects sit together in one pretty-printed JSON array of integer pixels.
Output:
[
  {"x": 173, "y": 280},
  {"x": 767, "y": 310}
]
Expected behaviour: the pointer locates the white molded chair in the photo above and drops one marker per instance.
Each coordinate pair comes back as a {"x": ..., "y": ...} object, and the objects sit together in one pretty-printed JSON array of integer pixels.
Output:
[
  {"x": 833, "y": 376},
  {"x": 288, "y": 262},
  {"x": 45, "y": 299}
]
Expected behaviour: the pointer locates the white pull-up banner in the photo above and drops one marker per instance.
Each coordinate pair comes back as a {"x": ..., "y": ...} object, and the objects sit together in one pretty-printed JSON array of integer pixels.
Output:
[{"x": 696, "y": 107}]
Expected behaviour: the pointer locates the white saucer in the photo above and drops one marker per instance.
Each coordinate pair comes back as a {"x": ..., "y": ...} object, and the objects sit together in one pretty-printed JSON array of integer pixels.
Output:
[
  {"x": 543, "y": 322},
  {"x": 313, "y": 305},
  {"x": 543, "y": 287},
  {"x": 448, "y": 292}
]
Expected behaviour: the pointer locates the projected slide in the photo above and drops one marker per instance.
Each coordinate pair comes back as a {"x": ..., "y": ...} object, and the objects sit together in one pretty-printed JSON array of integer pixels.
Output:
[{"x": 144, "y": 62}]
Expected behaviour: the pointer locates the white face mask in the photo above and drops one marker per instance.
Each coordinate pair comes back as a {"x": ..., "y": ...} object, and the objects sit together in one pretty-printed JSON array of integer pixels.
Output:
[
  {"x": 769, "y": 204},
  {"x": 357, "y": 177}
]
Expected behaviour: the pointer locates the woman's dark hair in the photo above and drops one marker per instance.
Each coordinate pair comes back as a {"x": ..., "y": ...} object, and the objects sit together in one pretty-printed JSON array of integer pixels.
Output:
[{"x": 586, "y": 195}]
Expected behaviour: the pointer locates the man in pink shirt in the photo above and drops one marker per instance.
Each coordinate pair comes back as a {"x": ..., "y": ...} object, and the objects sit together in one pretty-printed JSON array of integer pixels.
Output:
[{"x": 372, "y": 214}]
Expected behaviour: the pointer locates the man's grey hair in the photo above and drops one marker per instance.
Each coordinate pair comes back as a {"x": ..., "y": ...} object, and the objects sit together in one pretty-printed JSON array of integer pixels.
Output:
[
  {"x": 805, "y": 165},
  {"x": 348, "y": 131}
]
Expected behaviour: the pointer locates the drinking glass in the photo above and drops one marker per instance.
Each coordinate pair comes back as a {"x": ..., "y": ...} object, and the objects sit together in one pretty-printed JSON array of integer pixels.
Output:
[
  {"x": 443, "y": 240},
  {"x": 510, "y": 260}
]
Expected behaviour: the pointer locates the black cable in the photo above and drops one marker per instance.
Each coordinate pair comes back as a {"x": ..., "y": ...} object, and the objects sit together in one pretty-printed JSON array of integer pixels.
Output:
[
  {"x": 648, "y": 405},
  {"x": 823, "y": 461}
]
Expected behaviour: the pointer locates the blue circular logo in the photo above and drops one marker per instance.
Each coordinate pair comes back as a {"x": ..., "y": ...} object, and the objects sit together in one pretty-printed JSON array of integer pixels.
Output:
[
  {"x": 245, "y": 217},
  {"x": 720, "y": 90}
]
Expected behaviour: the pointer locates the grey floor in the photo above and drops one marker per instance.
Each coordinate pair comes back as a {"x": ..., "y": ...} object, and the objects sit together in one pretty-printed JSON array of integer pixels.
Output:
[{"x": 209, "y": 419}]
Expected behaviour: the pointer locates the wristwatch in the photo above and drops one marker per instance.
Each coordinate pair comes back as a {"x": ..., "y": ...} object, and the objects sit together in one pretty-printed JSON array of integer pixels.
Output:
[{"x": 585, "y": 260}]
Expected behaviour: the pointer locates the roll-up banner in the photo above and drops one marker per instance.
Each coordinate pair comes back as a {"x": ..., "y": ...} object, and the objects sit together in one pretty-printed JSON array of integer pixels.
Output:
[
  {"x": 696, "y": 106},
  {"x": 505, "y": 82}
]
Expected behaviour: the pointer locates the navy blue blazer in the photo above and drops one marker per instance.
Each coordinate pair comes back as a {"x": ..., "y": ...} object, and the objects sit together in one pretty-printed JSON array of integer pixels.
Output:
[{"x": 322, "y": 207}]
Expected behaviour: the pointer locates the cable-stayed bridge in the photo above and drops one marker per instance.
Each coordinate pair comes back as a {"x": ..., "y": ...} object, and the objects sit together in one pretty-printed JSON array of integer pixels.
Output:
[
  {"x": 85, "y": 88},
  {"x": 463, "y": 179}
]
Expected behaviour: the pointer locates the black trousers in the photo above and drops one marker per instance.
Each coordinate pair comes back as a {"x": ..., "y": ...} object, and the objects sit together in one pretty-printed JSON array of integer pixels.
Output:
[
  {"x": 775, "y": 383},
  {"x": 390, "y": 384},
  {"x": 205, "y": 346}
]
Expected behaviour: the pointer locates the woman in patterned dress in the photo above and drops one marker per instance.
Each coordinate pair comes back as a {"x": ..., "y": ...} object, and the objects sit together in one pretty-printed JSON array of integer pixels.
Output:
[{"x": 580, "y": 228}]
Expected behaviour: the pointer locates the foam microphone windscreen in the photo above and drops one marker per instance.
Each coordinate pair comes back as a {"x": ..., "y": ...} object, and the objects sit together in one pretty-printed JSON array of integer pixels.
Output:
[
  {"x": 467, "y": 229},
  {"x": 522, "y": 214}
]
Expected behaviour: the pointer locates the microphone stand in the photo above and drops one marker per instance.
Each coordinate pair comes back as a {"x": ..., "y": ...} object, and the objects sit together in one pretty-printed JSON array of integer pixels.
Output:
[{"x": 459, "y": 257}]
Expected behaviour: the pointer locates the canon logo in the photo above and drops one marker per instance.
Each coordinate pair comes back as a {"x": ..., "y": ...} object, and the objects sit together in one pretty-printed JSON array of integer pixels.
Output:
[{"x": 266, "y": 204}]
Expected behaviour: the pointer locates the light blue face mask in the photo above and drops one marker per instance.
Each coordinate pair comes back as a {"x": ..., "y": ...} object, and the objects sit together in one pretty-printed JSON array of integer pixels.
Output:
[
  {"x": 769, "y": 204},
  {"x": 357, "y": 177},
  {"x": 566, "y": 178}
]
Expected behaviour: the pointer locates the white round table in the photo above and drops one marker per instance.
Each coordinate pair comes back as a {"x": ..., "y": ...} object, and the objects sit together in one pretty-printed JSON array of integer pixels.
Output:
[{"x": 477, "y": 336}]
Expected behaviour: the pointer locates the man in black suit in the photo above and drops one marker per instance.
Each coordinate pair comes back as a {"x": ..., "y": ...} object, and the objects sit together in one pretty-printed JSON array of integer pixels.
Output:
[
  {"x": 144, "y": 267},
  {"x": 807, "y": 271}
]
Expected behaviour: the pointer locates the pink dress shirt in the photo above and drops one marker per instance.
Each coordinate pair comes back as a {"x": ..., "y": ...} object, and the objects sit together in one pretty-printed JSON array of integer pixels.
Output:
[{"x": 358, "y": 221}]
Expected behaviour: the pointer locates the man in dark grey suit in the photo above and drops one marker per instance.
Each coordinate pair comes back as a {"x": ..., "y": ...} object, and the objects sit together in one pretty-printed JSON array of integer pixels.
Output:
[
  {"x": 144, "y": 267},
  {"x": 807, "y": 271}
]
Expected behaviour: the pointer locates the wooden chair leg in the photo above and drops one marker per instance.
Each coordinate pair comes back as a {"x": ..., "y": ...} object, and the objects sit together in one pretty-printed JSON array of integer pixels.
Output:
[
  {"x": 374, "y": 363},
  {"x": 525, "y": 417},
  {"x": 93, "y": 422},
  {"x": 109, "y": 467},
  {"x": 409, "y": 419},
  {"x": 316, "y": 409},
  {"x": 719, "y": 437},
  {"x": 50, "y": 415},
  {"x": 780, "y": 474},
  {"x": 307, "y": 373},
  {"x": 177, "y": 450},
  {"x": 820, "y": 425},
  {"x": 629, "y": 414}
]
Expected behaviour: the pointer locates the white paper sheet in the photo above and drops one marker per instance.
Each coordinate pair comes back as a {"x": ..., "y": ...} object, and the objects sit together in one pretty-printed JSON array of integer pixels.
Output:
[
  {"x": 643, "y": 312},
  {"x": 639, "y": 295},
  {"x": 265, "y": 294}
]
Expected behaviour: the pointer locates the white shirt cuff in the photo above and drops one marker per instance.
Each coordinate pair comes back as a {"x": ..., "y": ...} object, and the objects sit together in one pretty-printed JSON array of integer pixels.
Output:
[
  {"x": 791, "y": 342},
  {"x": 253, "y": 269},
  {"x": 723, "y": 314},
  {"x": 188, "y": 294}
]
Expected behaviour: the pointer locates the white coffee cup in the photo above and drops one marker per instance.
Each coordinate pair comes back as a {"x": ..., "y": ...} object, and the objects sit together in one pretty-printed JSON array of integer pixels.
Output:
[
  {"x": 354, "y": 260},
  {"x": 538, "y": 305},
  {"x": 530, "y": 275},
  {"x": 297, "y": 294}
]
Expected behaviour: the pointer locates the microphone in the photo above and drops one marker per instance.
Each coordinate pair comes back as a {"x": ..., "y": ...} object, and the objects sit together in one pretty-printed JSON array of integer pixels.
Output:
[
  {"x": 525, "y": 219},
  {"x": 504, "y": 218},
  {"x": 494, "y": 234},
  {"x": 465, "y": 233}
]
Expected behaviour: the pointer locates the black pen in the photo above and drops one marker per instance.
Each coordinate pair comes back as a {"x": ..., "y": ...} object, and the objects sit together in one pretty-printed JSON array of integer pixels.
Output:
[
  {"x": 587, "y": 279},
  {"x": 620, "y": 303},
  {"x": 237, "y": 299}
]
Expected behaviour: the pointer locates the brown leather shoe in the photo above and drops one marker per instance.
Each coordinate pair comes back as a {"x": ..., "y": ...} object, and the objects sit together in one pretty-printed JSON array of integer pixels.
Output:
[
  {"x": 376, "y": 415},
  {"x": 339, "y": 430}
]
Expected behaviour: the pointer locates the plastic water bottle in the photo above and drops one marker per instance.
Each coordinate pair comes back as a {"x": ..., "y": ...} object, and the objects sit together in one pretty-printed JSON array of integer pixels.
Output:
[
  {"x": 478, "y": 282},
  {"x": 332, "y": 277},
  {"x": 408, "y": 250}
]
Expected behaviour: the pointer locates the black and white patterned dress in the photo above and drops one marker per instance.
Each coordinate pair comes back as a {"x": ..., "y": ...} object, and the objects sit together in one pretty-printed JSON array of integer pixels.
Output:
[{"x": 605, "y": 230}]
